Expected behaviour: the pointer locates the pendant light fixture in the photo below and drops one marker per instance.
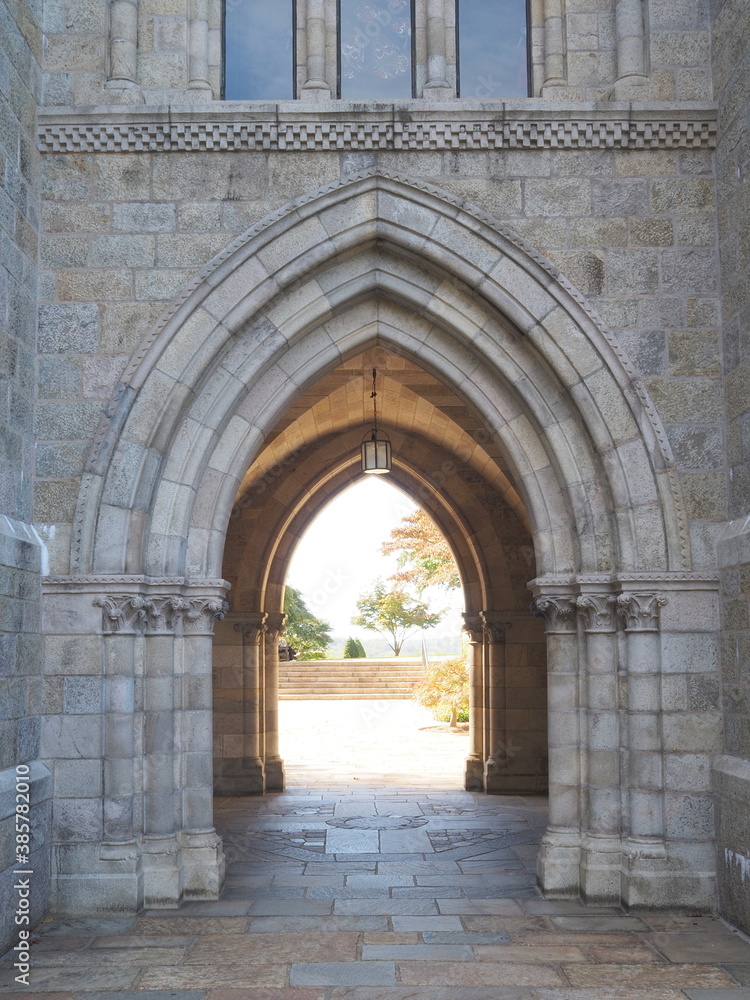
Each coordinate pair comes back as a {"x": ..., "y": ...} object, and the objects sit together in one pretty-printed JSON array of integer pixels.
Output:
[{"x": 376, "y": 446}]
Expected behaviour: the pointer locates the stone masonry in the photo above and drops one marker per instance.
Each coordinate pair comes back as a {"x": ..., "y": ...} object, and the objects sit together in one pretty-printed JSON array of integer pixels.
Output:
[{"x": 555, "y": 290}]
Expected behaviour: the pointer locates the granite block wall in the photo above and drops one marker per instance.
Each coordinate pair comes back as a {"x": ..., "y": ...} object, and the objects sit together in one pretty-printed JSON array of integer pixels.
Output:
[
  {"x": 731, "y": 63},
  {"x": 21, "y": 549}
]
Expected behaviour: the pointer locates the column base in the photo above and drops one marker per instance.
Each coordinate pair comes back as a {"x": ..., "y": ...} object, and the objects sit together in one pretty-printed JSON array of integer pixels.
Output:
[
  {"x": 203, "y": 865},
  {"x": 651, "y": 878},
  {"x": 97, "y": 879},
  {"x": 631, "y": 88},
  {"x": 474, "y": 774},
  {"x": 162, "y": 872},
  {"x": 558, "y": 865},
  {"x": 499, "y": 780},
  {"x": 315, "y": 90},
  {"x": 275, "y": 779},
  {"x": 439, "y": 91},
  {"x": 601, "y": 861},
  {"x": 239, "y": 777}
]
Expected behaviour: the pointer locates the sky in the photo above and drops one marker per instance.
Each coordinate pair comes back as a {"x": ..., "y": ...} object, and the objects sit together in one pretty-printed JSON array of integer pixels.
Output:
[{"x": 339, "y": 558}]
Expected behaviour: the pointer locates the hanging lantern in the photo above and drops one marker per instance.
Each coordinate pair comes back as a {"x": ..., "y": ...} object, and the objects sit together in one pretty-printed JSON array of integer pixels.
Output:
[{"x": 376, "y": 446}]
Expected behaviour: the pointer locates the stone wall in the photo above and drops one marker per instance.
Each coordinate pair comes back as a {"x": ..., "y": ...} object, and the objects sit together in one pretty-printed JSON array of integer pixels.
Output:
[
  {"x": 594, "y": 57},
  {"x": 731, "y": 54},
  {"x": 20, "y": 546},
  {"x": 633, "y": 229}
]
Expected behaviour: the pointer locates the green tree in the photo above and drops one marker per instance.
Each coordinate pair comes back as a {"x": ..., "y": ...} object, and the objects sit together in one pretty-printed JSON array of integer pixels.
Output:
[
  {"x": 424, "y": 557},
  {"x": 394, "y": 614},
  {"x": 353, "y": 649},
  {"x": 308, "y": 635},
  {"x": 445, "y": 689}
]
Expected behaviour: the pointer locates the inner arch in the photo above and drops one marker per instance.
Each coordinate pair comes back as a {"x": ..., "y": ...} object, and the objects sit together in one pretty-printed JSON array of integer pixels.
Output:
[{"x": 448, "y": 462}]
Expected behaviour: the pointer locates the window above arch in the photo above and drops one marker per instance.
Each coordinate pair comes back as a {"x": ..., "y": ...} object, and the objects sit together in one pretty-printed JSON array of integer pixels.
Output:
[
  {"x": 259, "y": 50},
  {"x": 376, "y": 49},
  {"x": 493, "y": 51}
]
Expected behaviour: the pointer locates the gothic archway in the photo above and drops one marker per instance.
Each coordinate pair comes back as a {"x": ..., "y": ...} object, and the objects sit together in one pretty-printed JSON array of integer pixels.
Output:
[{"x": 381, "y": 262}]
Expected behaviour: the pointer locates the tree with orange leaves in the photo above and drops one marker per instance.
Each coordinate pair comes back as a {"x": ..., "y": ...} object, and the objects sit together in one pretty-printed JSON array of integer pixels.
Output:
[{"x": 424, "y": 560}]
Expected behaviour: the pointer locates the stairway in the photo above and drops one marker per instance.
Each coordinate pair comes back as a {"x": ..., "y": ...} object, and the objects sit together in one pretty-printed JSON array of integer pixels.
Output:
[{"x": 308, "y": 680}]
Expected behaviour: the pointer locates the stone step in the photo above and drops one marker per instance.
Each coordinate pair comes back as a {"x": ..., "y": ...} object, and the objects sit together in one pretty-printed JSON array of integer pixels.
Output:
[{"x": 348, "y": 679}]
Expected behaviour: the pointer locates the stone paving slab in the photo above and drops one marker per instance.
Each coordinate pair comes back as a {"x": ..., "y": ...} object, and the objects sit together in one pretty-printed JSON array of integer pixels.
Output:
[
  {"x": 637, "y": 976},
  {"x": 234, "y": 974},
  {"x": 480, "y": 974},
  {"x": 714, "y": 947},
  {"x": 385, "y": 924},
  {"x": 343, "y": 973}
]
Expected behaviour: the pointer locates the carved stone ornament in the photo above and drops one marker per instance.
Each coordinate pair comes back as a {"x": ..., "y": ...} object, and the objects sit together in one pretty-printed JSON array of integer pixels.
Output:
[
  {"x": 275, "y": 622},
  {"x": 253, "y": 628},
  {"x": 202, "y": 614},
  {"x": 473, "y": 627},
  {"x": 159, "y": 135},
  {"x": 598, "y": 612},
  {"x": 558, "y": 613},
  {"x": 495, "y": 626},
  {"x": 640, "y": 611},
  {"x": 133, "y": 614}
]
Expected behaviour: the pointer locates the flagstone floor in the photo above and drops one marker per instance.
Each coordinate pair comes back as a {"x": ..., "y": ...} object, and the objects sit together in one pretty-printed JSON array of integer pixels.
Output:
[{"x": 384, "y": 884}]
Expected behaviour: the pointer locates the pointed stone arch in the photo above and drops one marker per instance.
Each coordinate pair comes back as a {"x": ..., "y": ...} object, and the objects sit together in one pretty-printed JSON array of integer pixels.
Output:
[
  {"x": 383, "y": 261},
  {"x": 487, "y": 313}
]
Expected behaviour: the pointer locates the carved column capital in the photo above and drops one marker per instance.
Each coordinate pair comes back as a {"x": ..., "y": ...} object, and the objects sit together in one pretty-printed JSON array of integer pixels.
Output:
[
  {"x": 598, "y": 612},
  {"x": 558, "y": 613},
  {"x": 134, "y": 614},
  {"x": 129, "y": 614},
  {"x": 275, "y": 621},
  {"x": 253, "y": 627},
  {"x": 474, "y": 627},
  {"x": 495, "y": 625},
  {"x": 640, "y": 612},
  {"x": 202, "y": 613}
]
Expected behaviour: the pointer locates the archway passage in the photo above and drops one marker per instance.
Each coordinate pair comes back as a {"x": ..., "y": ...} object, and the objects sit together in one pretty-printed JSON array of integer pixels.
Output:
[
  {"x": 473, "y": 330},
  {"x": 448, "y": 461}
]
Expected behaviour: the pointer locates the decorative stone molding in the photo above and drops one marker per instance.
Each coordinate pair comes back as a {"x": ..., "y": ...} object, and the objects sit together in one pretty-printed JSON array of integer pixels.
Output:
[
  {"x": 640, "y": 611},
  {"x": 274, "y": 625},
  {"x": 132, "y": 614},
  {"x": 598, "y": 612},
  {"x": 200, "y": 616},
  {"x": 558, "y": 613},
  {"x": 495, "y": 625},
  {"x": 253, "y": 628},
  {"x": 544, "y": 132},
  {"x": 473, "y": 627}
]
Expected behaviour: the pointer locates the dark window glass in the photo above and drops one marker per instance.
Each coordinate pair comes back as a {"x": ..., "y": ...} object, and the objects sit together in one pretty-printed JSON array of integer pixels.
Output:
[
  {"x": 492, "y": 48},
  {"x": 375, "y": 49},
  {"x": 258, "y": 58}
]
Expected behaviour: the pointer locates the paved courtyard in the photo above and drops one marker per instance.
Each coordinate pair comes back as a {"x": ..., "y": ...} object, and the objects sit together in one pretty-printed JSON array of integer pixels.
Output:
[{"x": 375, "y": 877}]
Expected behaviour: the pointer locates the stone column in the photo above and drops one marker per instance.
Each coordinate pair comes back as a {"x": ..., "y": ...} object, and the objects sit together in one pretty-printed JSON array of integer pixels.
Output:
[
  {"x": 644, "y": 848},
  {"x": 123, "y": 43},
  {"x": 554, "y": 47},
  {"x": 495, "y": 700},
  {"x": 274, "y": 765},
  {"x": 602, "y": 853},
  {"x": 315, "y": 87},
  {"x": 437, "y": 87},
  {"x": 162, "y": 742},
  {"x": 558, "y": 864},
  {"x": 631, "y": 55},
  {"x": 202, "y": 856},
  {"x": 474, "y": 775},
  {"x": 198, "y": 48},
  {"x": 122, "y": 809},
  {"x": 253, "y": 630}
]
